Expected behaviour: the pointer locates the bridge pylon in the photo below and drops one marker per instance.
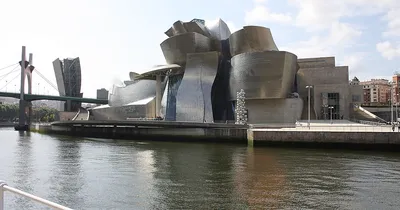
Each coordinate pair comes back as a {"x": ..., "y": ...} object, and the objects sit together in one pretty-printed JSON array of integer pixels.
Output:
[{"x": 25, "y": 107}]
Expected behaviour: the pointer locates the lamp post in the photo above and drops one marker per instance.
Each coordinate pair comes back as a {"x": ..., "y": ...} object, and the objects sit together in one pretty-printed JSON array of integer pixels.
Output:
[
  {"x": 6, "y": 85},
  {"x": 309, "y": 104},
  {"x": 397, "y": 116},
  {"x": 331, "y": 110},
  {"x": 38, "y": 86},
  {"x": 391, "y": 103}
]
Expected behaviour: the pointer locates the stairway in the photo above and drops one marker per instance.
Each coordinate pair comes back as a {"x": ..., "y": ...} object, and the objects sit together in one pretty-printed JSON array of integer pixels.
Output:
[{"x": 360, "y": 113}]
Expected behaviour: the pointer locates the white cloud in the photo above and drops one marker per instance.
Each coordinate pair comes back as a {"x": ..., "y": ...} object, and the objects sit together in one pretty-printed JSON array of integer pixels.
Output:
[
  {"x": 354, "y": 61},
  {"x": 340, "y": 36},
  {"x": 393, "y": 19},
  {"x": 260, "y": 1},
  {"x": 387, "y": 50},
  {"x": 232, "y": 27},
  {"x": 261, "y": 13},
  {"x": 318, "y": 15}
]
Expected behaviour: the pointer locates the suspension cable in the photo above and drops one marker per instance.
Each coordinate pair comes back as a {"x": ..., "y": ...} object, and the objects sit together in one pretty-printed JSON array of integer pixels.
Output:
[
  {"x": 11, "y": 81},
  {"x": 8, "y": 66},
  {"x": 46, "y": 80},
  {"x": 4, "y": 75}
]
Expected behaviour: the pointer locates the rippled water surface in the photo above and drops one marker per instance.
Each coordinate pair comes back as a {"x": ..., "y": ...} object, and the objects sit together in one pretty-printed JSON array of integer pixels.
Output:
[{"x": 84, "y": 173}]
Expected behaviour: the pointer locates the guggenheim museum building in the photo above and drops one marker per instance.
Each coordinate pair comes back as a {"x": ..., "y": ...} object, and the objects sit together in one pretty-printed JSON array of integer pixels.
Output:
[{"x": 205, "y": 68}]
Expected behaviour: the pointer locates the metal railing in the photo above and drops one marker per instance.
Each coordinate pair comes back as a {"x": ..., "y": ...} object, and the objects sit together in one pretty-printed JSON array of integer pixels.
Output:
[{"x": 4, "y": 187}]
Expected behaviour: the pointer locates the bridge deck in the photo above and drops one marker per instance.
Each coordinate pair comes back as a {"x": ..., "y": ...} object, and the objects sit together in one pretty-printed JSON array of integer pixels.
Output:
[{"x": 35, "y": 97}]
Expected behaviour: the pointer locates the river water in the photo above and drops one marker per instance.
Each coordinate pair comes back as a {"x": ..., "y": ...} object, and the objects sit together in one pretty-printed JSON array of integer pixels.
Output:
[{"x": 84, "y": 173}]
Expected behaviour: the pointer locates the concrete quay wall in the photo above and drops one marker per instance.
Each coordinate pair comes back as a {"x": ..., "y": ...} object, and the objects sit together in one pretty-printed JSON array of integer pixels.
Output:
[
  {"x": 362, "y": 139},
  {"x": 238, "y": 135},
  {"x": 224, "y": 133}
]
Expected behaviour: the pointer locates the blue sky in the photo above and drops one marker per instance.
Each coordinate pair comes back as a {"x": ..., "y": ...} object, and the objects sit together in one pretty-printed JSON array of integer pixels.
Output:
[{"x": 115, "y": 37}]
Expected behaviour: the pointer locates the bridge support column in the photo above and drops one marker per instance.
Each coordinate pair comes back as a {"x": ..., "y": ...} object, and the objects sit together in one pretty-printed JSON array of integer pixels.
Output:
[
  {"x": 22, "y": 117},
  {"x": 23, "y": 121},
  {"x": 29, "y": 114},
  {"x": 25, "y": 107}
]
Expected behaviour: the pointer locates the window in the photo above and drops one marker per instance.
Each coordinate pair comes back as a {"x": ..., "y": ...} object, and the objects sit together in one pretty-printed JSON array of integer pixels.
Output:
[{"x": 356, "y": 98}]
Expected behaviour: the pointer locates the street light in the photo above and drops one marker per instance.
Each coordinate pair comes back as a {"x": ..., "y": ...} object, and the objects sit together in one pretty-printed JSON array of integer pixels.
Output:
[
  {"x": 38, "y": 90},
  {"x": 391, "y": 102},
  {"x": 6, "y": 85},
  {"x": 397, "y": 116},
  {"x": 331, "y": 109},
  {"x": 309, "y": 104}
]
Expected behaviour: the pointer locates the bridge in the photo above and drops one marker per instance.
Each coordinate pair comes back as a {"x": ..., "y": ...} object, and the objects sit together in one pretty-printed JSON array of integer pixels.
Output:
[
  {"x": 35, "y": 97},
  {"x": 25, "y": 70}
]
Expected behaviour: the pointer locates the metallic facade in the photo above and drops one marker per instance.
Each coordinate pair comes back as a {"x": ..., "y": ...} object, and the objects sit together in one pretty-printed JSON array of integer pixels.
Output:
[
  {"x": 194, "y": 94},
  {"x": 219, "y": 30},
  {"x": 206, "y": 67},
  {"x": 263, "y": 75},
  {"x": 139, "y": 90},
  {"x": 69, "y": 79},
  {"x": 252, "y": 39},
  {"x": 58, "y": 71},
  {"x": 180, "y": 27},
  {"x": 177, "y": 47},
  {"x": 126, "y": 112}
]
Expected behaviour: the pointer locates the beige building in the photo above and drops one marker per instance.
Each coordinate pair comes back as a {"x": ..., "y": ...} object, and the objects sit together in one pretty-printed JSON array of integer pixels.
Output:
[
  {"x": 376, "y": 92},
  {"x": 331, "y": 90}
]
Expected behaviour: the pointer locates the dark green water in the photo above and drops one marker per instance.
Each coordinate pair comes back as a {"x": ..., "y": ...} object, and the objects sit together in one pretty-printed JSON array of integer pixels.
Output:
[{"x": 105, "y": 174}]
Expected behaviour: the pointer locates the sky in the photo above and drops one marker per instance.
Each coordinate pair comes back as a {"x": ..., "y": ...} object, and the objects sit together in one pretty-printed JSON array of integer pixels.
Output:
[{"x": 114, "y": 37}]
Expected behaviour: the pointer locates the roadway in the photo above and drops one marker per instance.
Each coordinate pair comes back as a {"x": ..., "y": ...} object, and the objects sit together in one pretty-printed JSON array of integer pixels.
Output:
[{"x": 35, "y": 97}]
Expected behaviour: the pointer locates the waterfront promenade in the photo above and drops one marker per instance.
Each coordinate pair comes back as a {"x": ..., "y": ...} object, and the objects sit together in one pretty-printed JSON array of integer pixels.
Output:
[
  {"x": 341, "y": 134},
  {"x": 327, "y": 126}
]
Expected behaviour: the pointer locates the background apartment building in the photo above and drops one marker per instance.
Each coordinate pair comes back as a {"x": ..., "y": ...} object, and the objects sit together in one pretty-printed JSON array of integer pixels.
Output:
[
  {"x": 396, "y": 88},
  {"x": 376, "y": 92}
]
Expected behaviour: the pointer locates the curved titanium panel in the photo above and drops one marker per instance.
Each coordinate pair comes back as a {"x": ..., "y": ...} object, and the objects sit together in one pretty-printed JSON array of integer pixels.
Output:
[
  {"x": 177, "y": 28},
  {"x": 219, "y": 30},
  {"x": 197, "y": 28},
  {"x": 132, "y": 75},
  {"x": 141, "y": 89},
  {"x": 180, "y": 27},
  {"x": 193, "y": 100},
  {"x": 263, "y": 75},
  {"x": 177, "y": 47},
  {"x": 159, "y": 70},
  {"x": 252, "y": 39}
]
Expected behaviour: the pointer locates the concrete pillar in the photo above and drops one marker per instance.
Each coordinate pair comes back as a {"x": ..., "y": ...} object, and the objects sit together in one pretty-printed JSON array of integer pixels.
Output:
[
  {"x": 21, "y": 99},
  {"x": 30, "y": 112},
  {"x": 158, "y": 95}
]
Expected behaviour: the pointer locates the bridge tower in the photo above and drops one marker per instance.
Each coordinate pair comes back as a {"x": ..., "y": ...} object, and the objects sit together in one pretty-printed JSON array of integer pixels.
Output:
[{"x": 25, "y": 107}]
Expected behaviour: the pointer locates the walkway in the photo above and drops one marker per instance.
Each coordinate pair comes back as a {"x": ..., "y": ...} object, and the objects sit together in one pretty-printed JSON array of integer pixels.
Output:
[{"x": 335, "y": 126}]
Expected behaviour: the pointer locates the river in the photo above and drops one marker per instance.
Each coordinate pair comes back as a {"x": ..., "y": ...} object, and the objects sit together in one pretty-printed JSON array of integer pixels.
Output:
[{"x": 85, "y": 173}]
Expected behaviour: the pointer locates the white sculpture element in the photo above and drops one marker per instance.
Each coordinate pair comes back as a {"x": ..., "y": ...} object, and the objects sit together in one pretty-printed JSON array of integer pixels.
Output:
[{"x": 241, "y": 115}]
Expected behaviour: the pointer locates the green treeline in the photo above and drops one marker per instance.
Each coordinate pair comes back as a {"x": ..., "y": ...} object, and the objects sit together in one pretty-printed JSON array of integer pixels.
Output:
[{"x": 9, "y": 113}]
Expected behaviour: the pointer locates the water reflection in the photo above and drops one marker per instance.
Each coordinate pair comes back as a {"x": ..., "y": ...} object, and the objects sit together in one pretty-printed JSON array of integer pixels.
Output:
[
  {"x": 23, "y": 170},
  {"x": 108, "y": 174},
  {"x": 66, "y": 176},
  {"x": 191, "y": 176},
  {"x": 260, "y": 180}
]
